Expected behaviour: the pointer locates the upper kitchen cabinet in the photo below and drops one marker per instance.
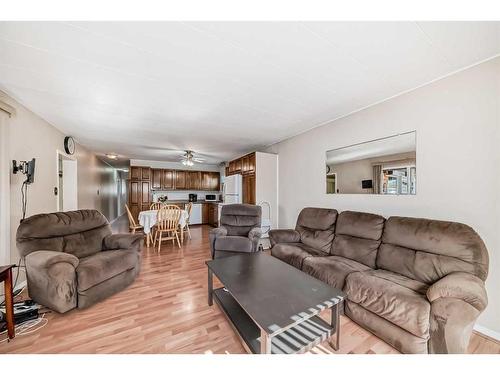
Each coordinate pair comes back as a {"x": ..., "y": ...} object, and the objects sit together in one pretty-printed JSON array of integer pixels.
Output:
[
  {"x": 140, "y": 173},
  {"x": 173, "y": 179},
  {"x": 168, "y": 181},
  {"x": 193, "y": 180},
  {"x": 206, "y": 180},
  {"x": 156, "y": 179},
  {"x": 180, "y": 180}
]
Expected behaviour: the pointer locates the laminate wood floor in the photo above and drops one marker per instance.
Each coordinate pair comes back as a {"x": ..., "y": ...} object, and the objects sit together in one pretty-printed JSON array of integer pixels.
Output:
[{"x": 165, "y": 311}]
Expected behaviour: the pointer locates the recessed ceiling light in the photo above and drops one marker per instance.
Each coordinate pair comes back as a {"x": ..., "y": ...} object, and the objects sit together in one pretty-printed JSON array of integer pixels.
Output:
[{"x": 112, "y": 156}]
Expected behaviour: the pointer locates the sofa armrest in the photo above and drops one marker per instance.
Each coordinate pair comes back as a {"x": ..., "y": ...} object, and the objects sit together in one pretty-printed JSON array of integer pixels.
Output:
[
  {"x": 213, "y": 235},
  {"x": 462, "y": 286},
  {"x": 52, "y": 279},
  {"x": 283, "y": 236},
  {"x": 255, "y": 235},
  {"x": 122, "y": 241},
  {"x": 44, "y": 259},
  {"x": 456, "y": 302}
]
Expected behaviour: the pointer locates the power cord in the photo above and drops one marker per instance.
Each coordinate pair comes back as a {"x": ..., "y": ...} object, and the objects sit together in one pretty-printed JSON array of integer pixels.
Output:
[{"x": 24, "y": 197}]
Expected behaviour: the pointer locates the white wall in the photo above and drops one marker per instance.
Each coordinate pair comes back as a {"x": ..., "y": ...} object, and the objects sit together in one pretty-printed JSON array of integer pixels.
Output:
[
  {"x": 457, "y": 123},
  {"x": 32, "y": 137},
  {"x": 266, "y": 183}
]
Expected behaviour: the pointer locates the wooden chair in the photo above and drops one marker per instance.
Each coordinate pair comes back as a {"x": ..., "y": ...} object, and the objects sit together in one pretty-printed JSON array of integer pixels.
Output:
[
  {"x": 188, "y": 207},
  {"x": 133, "y": 226},
  {"x": 167, "y": 223},
  {"x": 156, "y": 206}
]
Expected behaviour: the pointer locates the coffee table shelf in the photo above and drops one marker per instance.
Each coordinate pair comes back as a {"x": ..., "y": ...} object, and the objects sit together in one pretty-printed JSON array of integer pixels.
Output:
[{"x": 298, "y": 339}]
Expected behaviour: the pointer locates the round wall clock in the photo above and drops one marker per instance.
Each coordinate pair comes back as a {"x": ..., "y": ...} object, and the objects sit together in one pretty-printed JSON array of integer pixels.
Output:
[{"x": 69, "y": 145}]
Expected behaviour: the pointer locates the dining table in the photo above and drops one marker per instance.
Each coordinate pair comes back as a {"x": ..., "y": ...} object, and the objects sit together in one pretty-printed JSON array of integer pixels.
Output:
[{"x": 149, "y": 218}]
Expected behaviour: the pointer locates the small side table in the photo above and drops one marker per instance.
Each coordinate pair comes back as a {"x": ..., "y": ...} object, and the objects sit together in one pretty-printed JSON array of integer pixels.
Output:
[{"x": 6, "y": 277}]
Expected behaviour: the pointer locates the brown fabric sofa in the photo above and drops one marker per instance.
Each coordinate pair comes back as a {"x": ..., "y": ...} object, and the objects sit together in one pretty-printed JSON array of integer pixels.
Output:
[
  {"x": 416, "y": 283},
  {"x": 73, "y": 260},
  {"x": 239, "y": 231}
]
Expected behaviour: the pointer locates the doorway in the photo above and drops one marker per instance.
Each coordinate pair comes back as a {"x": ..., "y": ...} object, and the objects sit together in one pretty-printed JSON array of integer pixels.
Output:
[{"x": 67, "y": 186}]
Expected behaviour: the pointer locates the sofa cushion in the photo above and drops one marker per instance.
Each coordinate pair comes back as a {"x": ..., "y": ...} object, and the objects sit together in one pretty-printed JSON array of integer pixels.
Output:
[
  {"x": 317, "y": 228},
  {"x": 428, "y": 250},
  {"x": 357, "y": 236},
  {"x": 333, "y": 270},
  {"x": 394, "y": 297},
  {"x": 104, "y": 265},
  {"x": 233, "y": 243},
  {"x": 294, "y": 253}
]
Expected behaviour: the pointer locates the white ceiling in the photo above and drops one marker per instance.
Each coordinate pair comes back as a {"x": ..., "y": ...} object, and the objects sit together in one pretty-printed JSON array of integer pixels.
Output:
[
  {"x": 396, "y": 144},
  {"x": 221, "y": 88}
]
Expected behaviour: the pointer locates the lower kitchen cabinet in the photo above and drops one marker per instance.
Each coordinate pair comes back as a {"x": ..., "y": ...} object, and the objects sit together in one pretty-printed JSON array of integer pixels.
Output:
[{"x": 213, "y": 214}]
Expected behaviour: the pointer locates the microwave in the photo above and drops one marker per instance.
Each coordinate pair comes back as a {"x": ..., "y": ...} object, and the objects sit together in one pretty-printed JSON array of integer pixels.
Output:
[{"x": 211, "y": 197}]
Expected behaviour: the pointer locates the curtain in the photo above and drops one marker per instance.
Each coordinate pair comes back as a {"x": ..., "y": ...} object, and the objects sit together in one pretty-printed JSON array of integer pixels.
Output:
[{"x": 377, "y": 174}]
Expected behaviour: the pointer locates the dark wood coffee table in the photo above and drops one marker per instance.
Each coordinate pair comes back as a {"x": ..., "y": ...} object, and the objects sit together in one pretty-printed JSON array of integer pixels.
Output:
[{"x": 273, "y": 306}]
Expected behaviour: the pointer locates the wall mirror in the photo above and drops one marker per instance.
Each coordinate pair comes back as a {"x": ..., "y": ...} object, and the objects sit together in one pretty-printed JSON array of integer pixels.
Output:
[{"x": 385, "y": 166}]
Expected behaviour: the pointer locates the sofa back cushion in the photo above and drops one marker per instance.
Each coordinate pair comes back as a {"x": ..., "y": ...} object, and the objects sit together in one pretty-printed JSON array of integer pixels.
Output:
[
  {"x": 317, "y": 227},
  {"x": 80, "y": 233},
  {"x": 427, "y": 250},
  {"x": 358, "y": 236},
  {"x": 239, "y": 219}
]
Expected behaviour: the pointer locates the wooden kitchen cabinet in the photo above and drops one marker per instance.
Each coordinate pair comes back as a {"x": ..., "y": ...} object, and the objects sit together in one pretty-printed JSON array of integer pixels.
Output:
[
  {"x": 205, "y": 180},
  {"x": 205, "y": 213},
  {"x": 146, "y": 173},
  {"x": 180, "y": 180},
  {"x": 213, "y": 213},
  {"x": 168, "y": 180},
  {"x": 156, "y": 179},
  {"x": 251, "y": 163},
  {"x": 135, "y": 173},
  {"x": 193, "y": 180},
  {"x": 249, "y": 188},
  {"x": 237, "y": 166}
]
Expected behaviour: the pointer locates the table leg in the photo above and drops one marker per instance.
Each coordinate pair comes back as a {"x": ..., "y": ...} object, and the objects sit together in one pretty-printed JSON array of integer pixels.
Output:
[
  {"x": 9, "y": 305},
  {"x": 335, "y": 324},
  {"x": 148, "y": 239},
  {"x": 182, "y": 235},
  {"x": 265, "y": 342},
  {"x": 210, "y": 288}
]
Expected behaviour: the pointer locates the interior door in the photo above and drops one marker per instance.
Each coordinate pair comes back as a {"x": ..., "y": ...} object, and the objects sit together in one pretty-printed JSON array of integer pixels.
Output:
[{"x": 70, "y": 186}]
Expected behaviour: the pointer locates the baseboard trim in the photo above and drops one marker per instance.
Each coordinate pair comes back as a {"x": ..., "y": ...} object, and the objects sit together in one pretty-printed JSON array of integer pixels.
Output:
[{"x": 487, "y": 333}]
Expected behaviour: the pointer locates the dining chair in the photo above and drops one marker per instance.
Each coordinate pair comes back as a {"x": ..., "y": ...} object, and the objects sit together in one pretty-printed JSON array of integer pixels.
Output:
[
  {"x": 133, "y": 226},
  {"x": 188, "y": 207},
  {"x": 156, "y": 206},
  {"x": 168, "y": 224}
]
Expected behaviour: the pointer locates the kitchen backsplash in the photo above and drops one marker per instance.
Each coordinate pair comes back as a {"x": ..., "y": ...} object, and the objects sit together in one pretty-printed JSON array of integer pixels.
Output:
[{"x": 181, "y": 195}]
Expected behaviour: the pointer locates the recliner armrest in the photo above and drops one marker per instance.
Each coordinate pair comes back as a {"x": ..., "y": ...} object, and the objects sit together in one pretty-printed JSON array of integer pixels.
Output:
[
  {"x": 47, "y": 258},
  {"x": 283, "y": 236},
  {"x": 122, "y": 241},
  {"x": 460, "y": 285},
  {"x": 213, "y": 235},
  {"x": 52, "y": 279}
]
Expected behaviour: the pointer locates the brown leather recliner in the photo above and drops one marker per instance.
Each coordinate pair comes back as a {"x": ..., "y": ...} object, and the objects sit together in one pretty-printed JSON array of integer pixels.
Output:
[
  {"x": 416, "y": 283},
  {"x": 73, "y": 260},
  {"x": 239, "y": 231}
]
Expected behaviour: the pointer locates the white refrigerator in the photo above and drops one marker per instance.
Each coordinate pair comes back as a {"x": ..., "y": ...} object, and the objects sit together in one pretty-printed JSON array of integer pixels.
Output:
[{"x": 232, "y": 190}]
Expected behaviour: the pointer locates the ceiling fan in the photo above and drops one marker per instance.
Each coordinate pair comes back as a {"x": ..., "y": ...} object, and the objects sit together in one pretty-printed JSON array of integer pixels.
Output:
[{"x": 189, "y": 159}]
